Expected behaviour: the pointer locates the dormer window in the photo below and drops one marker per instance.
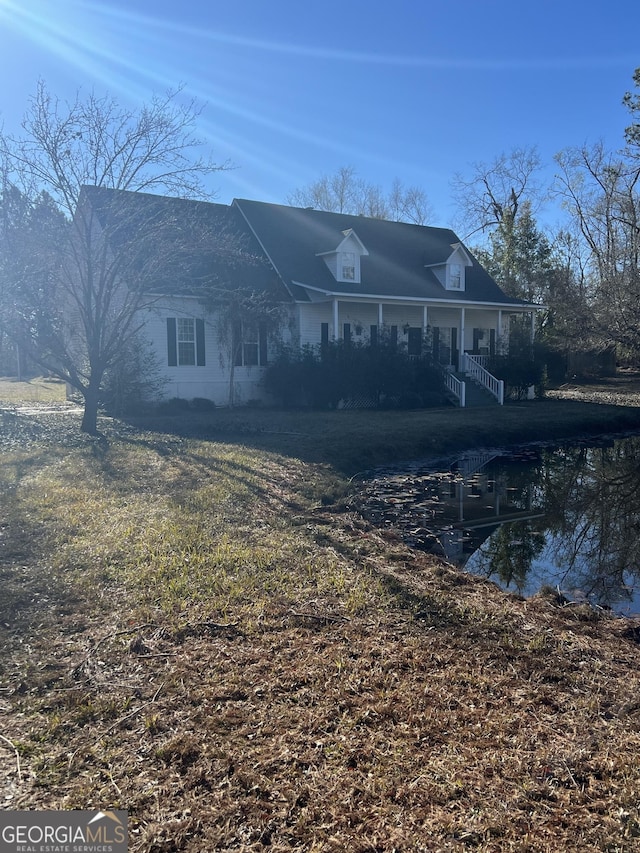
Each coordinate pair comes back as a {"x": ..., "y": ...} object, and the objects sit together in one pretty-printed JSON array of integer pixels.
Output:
[
  {"x": 452, "y": 273},
  {"x": 344, "y": 260},
  {"x": 455, "y": 276},
  {"x": 348, "y": 266}
]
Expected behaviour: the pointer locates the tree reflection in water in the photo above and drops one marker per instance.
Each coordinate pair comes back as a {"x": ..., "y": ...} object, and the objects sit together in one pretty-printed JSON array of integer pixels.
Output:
[
  {"x": 593, "y": 517},
  {"x": 567, "y": 517},
  {"x": 509, "y": 553}
]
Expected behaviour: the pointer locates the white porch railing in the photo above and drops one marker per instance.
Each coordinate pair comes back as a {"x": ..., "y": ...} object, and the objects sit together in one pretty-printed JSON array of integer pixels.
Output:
[
  {"x": 472, "y": 366},
  {"x": 474, "y": 462},
  {"x": 456, "y": 386},
  {"x": 482, "y": 360}
]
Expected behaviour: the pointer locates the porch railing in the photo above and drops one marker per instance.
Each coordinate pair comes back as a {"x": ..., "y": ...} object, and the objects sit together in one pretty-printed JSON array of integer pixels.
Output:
[
  {"x": 481, "y": 375},
  {"x": 456, "y": 386},
  {"x": 482, "y": 360}
]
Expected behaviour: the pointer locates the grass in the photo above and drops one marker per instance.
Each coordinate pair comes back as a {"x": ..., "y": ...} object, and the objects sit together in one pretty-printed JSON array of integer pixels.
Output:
[
  {"x": 37, "y": 390},
  {"x": 196, "y": 629},
  {"x": 355, "y": 441}
]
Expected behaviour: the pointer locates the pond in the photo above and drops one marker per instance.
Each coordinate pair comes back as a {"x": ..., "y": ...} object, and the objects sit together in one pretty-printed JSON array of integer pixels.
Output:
[{"x": 565, "y": 516}]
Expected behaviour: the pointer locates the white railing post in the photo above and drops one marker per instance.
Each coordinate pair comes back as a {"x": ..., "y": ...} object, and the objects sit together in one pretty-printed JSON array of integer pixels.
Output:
[
  {"x": 484, "y": 378},
  {"x": 457, "y": 388}
]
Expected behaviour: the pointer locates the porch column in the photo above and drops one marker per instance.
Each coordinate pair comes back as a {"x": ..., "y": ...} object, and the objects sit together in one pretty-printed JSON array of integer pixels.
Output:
[
  {"x": 499, "y": 333},
  {"x": 380, "y": 317},
  {"x": 461, "y": 364},
  {"x": 531, "y": 392},
  {"x": 425, "y": 319},
  {"x": 335, "y": 320}
]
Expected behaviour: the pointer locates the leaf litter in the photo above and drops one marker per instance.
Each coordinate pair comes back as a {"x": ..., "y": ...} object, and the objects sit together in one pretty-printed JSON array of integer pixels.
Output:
[{"x": 439, "y": 714}]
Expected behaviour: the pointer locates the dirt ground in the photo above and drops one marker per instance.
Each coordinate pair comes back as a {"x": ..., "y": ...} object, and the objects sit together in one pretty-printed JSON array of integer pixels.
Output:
[{"x": 623, "y": 389}]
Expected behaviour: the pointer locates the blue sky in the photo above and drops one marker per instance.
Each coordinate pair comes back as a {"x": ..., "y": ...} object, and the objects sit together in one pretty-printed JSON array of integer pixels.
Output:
[{"x": 413, "y": 89}]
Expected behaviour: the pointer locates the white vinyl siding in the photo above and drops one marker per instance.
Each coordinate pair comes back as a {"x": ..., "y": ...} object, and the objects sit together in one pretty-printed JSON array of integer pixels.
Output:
[{"x": 209, "y": 381}]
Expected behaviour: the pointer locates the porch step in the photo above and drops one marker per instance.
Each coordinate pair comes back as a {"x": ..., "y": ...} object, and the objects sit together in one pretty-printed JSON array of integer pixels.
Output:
[{"x": 475, "y": 394}]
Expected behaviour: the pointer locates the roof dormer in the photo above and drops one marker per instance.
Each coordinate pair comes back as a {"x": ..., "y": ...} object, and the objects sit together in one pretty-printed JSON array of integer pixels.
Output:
[
  {"x": 451, "y": 273},
  {"x": 344, "y": 261}
]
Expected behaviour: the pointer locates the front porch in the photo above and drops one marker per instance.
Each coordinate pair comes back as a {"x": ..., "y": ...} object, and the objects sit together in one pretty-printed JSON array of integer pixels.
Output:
[
  {"x": 450, "y": 330},
  {"x": 460, "y": 338}
]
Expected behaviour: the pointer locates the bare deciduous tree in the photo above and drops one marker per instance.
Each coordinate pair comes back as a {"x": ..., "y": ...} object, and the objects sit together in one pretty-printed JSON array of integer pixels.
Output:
[
  {"x": 409, "y": 204},
  {"x": 600, "y": 190},
  {"x": 496, "y": 190},
  {"x": 345, "y": 192},
  {"x": 113, "y": 257}
]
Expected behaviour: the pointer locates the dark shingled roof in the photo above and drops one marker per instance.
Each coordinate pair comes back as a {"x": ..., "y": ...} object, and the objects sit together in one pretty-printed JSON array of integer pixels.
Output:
[
  {"x": 239, "y": 243},
  {"x": 397, "y": 266},
  {"x": 203, "y": 244}
]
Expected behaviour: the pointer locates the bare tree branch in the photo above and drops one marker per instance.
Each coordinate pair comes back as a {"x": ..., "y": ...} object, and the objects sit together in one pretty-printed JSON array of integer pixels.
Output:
[
  {"x": 496, "y": 189},
  {"x": 345, "y": 192},
  {"x": 116, "y": 258}
]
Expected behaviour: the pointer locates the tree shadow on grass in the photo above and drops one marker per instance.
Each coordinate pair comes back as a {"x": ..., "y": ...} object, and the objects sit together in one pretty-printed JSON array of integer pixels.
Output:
[{"x": 33, "y": 596}]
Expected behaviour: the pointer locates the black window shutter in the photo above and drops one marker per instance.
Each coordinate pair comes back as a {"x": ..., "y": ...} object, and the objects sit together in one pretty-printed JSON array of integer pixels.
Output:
[
  {"x": 200, "y": 354},
  {"x": 324, "y": 340},
  {"x": 262, "y": 343},
  {"x": 476, "y": 339},
  {"x": 172, "y": 349},
  {"x": 346, "y": 333},
  {"x": 373, "y": 336},
  {"x": 436, "y": 343},
  {"x": 394, "y": 336},
  {"x": 415, "y": 341}
]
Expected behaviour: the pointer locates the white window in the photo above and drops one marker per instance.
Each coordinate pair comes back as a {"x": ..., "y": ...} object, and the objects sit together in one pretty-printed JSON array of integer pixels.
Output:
[
  {"x": 186, "y": 340},
  {"x": 455, "y": 277},
  {"x": 348, "y": 266},
  {"x": 250, "y": 345},
  {"x": 250, "y": 348}
]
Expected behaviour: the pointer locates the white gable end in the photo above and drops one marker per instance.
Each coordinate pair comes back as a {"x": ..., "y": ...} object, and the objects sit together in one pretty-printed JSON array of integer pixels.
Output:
[
  {"x": 344, "y": 261},
  {"x": 451, "y": 274}
]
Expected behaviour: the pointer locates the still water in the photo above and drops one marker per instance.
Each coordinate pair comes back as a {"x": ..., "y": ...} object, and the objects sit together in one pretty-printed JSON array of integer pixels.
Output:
[{"x": 566, "y": 517}]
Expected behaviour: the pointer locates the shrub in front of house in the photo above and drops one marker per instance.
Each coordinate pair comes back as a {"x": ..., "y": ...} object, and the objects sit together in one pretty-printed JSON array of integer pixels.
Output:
[
  {"x": 522, "y": 367},
  {"x": 173, "y": 406},
  {"x": 354, "y": 375},
  {"x": 202, "y": 404},
  {"x": 136, "y": 379}
]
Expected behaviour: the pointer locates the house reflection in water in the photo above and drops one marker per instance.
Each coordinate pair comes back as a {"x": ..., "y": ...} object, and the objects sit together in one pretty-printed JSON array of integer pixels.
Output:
[
  {"x": 452, "y": 512},
  {"x": 566, "y": 517}
]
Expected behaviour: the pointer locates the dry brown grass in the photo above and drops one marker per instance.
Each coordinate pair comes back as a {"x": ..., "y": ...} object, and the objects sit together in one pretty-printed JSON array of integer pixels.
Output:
[
  {"x": 190, "y": 634},
  {"x": 462, "y": 720},
  {"x": 39, "y": 390}
]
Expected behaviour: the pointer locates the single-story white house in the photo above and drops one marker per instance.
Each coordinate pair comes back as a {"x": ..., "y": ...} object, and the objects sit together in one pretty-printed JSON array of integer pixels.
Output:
[{"x": 336, "y": 276}]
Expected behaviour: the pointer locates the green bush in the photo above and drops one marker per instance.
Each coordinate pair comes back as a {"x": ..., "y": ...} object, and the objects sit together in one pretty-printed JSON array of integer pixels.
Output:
[
  {"x": 202, "y": 404},
  {"x": 354, "y": 374},
  {"x": 173, "y": 406},
  {"x": 522, "y": 366}
]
